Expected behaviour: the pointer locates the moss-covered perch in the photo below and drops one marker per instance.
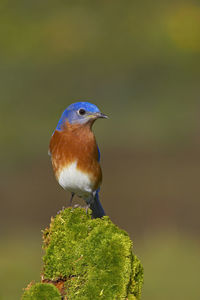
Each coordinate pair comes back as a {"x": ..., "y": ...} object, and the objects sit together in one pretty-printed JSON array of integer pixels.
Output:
[{"x": 86, "y": 259}]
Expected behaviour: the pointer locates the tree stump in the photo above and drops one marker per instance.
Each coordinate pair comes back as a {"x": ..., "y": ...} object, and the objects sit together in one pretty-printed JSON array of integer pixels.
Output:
[{"x": 86, "y": 259}]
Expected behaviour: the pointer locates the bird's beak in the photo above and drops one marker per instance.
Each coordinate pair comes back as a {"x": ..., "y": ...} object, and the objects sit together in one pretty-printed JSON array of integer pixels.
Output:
[{"x": 100, "y": 115}]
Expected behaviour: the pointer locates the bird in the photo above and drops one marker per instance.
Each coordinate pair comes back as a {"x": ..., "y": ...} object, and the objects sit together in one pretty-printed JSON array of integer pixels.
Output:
[{"x": 75, "y": 155}]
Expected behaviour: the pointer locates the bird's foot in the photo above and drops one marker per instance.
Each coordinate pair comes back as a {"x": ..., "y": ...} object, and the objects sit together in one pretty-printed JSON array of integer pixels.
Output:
[
  {"x": 86, "y": 208},
  {"x": 60, "y": 210},
  {"x": 76, "y": 205}
]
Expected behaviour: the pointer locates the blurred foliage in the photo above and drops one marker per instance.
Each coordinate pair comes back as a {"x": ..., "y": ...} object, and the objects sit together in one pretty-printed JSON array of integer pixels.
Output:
[
  {"x": 140, "y": 63},
  {"x": 171, "y": 264},
  {"x": 20, "y": 260}
]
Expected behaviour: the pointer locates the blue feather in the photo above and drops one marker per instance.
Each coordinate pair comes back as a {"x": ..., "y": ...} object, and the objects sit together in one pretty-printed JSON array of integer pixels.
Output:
[
  {"x": 99, "y": 154},
  {"x": 70, "y": 113}
]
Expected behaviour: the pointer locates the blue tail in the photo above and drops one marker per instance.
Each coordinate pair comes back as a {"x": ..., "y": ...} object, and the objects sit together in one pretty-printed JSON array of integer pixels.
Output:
[{"x": 96, "y": 207}]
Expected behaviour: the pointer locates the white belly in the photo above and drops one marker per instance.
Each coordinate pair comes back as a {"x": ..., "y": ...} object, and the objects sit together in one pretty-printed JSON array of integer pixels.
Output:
[{"x": 75, "y": 180}]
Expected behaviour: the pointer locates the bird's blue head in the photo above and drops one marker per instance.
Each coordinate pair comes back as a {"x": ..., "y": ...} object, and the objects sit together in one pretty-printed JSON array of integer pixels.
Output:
[{"x": 80, "y": 113}]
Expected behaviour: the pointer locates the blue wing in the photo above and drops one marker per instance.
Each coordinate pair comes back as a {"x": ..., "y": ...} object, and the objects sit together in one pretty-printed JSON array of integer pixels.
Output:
[{"x": 99, "y": 154}]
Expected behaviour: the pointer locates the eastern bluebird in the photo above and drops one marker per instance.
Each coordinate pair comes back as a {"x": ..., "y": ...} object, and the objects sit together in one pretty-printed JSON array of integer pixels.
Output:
[{"x": 75, "y": 155}]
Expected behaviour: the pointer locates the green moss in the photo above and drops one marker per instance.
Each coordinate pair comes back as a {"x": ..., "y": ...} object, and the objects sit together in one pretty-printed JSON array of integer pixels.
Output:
[
  {"x": 136, "y": 279},
  {"x": 42, "y": 291},
  {"x": 94, "y": 257},
  {"x": 87, "y": 259}
]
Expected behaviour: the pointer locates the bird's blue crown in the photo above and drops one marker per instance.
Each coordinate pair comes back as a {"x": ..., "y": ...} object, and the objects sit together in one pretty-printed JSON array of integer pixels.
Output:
[{"x": 77, "y": 113}]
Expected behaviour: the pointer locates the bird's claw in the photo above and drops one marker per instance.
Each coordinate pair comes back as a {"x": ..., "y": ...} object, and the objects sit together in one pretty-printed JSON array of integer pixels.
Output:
[
  {"x": 85, "y": 207},
  {"x": 60, "y": 210},
  {"x": 76, "y": 205}
]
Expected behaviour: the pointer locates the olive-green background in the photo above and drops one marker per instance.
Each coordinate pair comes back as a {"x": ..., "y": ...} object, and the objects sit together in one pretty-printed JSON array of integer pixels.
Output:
[{"x": 139, "y": 62}]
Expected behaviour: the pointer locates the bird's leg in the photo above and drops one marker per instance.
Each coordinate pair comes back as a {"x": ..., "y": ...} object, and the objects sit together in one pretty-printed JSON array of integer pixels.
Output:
[
  {"x": 90, "y": 201},
  {"x": 72, "y": 196},
  {"x": 86, "y": 208}
]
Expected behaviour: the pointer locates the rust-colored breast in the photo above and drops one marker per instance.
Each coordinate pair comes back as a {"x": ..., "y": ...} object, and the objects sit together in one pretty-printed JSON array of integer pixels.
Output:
[{"x": 76, "y": 143}]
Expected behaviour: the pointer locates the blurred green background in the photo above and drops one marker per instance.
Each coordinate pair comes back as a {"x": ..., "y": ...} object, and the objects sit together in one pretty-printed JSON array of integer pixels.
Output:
[{"x": 139, "y": 61}]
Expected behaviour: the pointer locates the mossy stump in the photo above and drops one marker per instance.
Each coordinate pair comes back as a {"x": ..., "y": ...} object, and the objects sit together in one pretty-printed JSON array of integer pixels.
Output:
[{"x": 86, "y": 259}]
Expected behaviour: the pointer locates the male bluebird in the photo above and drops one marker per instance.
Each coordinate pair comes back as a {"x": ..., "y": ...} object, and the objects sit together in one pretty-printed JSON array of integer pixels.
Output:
[{"x": 75, "y": 155}]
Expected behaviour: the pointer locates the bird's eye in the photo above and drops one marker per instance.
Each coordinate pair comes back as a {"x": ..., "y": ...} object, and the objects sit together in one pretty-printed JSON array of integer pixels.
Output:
[{"x": 81, "y": 112}]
